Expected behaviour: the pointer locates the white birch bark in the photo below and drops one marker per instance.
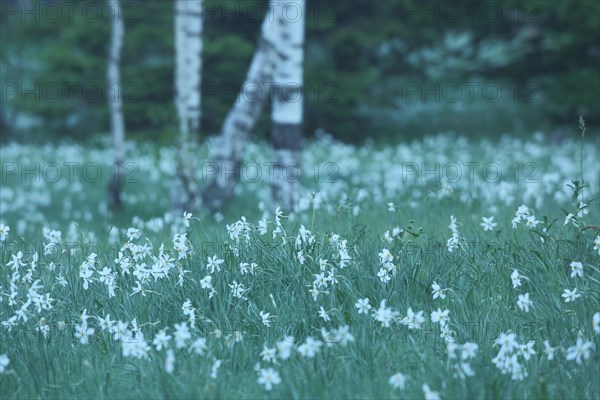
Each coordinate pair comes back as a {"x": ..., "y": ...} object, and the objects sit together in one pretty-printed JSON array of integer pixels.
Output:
[
  {"x": 188, "y": 72},
  {"x": 287, "y": 110},
  {"x": 115, "y": 102},
  {"x": 227, "y": 153}
]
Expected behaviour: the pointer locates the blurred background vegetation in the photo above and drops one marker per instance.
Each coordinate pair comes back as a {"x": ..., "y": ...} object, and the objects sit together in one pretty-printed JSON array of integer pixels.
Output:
[{"x": 387, "y": 69}]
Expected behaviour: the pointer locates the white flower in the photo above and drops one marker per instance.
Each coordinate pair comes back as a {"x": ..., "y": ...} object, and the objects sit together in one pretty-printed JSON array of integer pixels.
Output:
[
  {"x": 189, "y": 310},
  {"x": 582, "y": 210},
  {"x": 269, "y": 377},
  {"x": 238, "y": 290},
  {"x": 199, "y": 346},
  {"x": 549, "y": 350},
  {"x": 526, "y": 350},
  {"x": 397, "y": 381},
  {"x": 314, "y": 292},
  {"x": 43, "y": 328},
  {"x": 344, "y": 257},
  {"x": 4, "y": 360},
  {"x": 581, "y": 349},
  {"x": 516, "y": 279},
  {"x": 576, "y": 269},
  {"x": 186, "y": 219},
  {"x": 4, "y": 229},
  {"x": 523, "y": 302},
  {"x": 285, "y": 347},
  {"x": 246, "y": 268},
  {"x": 440, "y": 316},
  {"x": 387, "y": 237},
  {"x": 120, "y": 331},
  {"x": 182, "y": 334},
  {"x": 266, "y": 318},
  {"x": 363, "y": 306},
  {"x": 320, "y": 280},
  {"x": 383, "y": 275},
  {"x": 386, "y": 256},
  {"x": 262, "y": 226},
  {"x": 323, "y": 314},
  {"x": 453, "y": 225},
  {"x": 468, "y": 350},
  {"x": 596, "y": 323},
  {"x": 569, "y": 218},
  {"x": 215, "y": 369},
  {"x": 84, "y": 317},
  {"x": 106, "y": 323},
  {"x": 138, "y": 289},
  {"x": 268, "y": 354},
  {"x": 391, "y": 207},
  {"x": 438, "y": 292},
  {"x": 413, "y": 320},
  {"x": 532, "y": 222},
  {"x": 206, "y": 282},
  {"x": 570, "y": 295},
  {"x": 343, "y": 335},
  {"x": 133, "y": 233},
  {"x": 488, "y": 223},
  {"x": 170, "y": 361},
  {"x": 430, "y": 394},
  {"x": 507, "y": 342},
  {"x": 453, "y": 243},
  {"x": 463, "y": 370},
  {"x": 161, "y": 340},
  {"x": 385, "y": 315},
  {"x": 329, "y": 337},
  {"x": 82, "y": 332},
  {"x": 214, "y": 264},
  {"x": 310, "y": 347},
  {"x": 181, "y": 245},
  {"x": 323, "y": 263},
  {"x": 597, "y": 244}
]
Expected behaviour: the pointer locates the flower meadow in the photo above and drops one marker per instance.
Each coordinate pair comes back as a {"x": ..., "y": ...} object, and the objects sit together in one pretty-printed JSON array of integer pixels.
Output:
[{"x": 440, "y": 268}]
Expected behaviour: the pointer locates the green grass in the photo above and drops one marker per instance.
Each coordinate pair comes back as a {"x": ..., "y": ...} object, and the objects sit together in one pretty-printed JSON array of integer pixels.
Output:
[{"x": 481, "y": 299}]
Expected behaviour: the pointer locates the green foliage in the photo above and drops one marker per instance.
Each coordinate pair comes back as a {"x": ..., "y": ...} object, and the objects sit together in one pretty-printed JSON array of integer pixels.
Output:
[{"x": 359, "y": 54}]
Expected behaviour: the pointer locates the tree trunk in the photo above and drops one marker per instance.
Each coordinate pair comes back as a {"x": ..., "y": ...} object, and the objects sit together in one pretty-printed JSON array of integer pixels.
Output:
[
  {"x": 287, "y": 116},
  {"x": 115, "y": 103},
  {"x": 188, "y": 72},
  {"x": 223, "y": 172}
]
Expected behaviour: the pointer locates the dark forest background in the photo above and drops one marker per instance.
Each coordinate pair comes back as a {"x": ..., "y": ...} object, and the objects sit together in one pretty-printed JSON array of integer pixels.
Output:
[{"x": 384, "y": 69}]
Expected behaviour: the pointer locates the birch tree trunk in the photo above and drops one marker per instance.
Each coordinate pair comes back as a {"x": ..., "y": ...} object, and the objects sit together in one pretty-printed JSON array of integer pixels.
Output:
[
  {"x": 223, "y": 172},
  {"x": 115, "y": 102},
  {"x": 188, "y": 72},
  {"x": 287, "y": 115}
]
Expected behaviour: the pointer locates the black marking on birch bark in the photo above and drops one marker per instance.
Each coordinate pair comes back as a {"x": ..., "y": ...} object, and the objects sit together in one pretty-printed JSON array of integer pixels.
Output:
[
  {"x": 189, "y": 14},
  {"x": 289, "y": 93},
  {"x": 188, "y": 32},
  {"x": 282, "y": 56}
]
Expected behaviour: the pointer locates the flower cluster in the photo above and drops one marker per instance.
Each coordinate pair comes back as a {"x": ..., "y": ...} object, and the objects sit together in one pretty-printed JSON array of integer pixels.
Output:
[
  {"x": 455, "y": 240},
  {"x": 442, "y": 318},
  {"x": 461, "y": 354},
  {"x": 511, "y": 355},
  {"x": 388, "y": 268}
]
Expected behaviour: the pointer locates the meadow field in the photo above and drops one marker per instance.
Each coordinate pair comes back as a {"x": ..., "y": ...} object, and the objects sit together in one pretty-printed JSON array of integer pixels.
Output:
[{"x": 440, "y": 268}]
